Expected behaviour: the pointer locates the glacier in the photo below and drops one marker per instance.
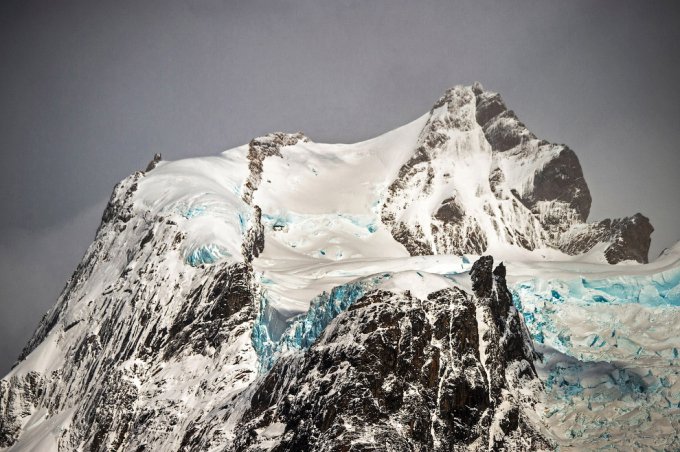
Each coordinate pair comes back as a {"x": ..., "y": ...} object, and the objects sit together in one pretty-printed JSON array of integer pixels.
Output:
[{"x": 609, "y": 354}]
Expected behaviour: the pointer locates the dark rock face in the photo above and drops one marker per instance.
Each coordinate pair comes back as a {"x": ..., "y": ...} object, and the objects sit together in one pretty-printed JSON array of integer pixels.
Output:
[
  {"x": 261, "y": 148},
  {"x": 481, "y": 276},
  {"x": 253, "y": 242},
  {"x": 506, "y": 337},
  {"x": 631, "y": 239},
  {"x": 562, "y": 180},
  {"x": 395, "y": 372},
  {"x": 154, "y": 162},
  {"x": 450, "y": 211},
  {"x": 119, "y": 208},
  {"x": 628, "y": 238},
  {"x": 212, "y": 311},
  {"x": 413, "y": 242}
]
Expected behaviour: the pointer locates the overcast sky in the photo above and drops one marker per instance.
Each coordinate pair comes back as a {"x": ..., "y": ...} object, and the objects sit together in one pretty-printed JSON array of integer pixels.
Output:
[{"x": 90, "y": 90}]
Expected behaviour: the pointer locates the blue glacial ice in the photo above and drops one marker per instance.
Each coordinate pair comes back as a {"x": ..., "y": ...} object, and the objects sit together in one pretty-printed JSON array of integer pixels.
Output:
[
  {"x": 206, "y": 254},
  {"x": 192, "y": 212},
  {"x": 276, "y": 222},
  {"x": 272, "y": 335},
  {"x": 542, "y": 302}
]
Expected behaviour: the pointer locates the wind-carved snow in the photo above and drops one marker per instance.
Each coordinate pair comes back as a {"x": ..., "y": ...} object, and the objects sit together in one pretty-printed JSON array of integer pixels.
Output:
[{"x": 202, "y": 195}]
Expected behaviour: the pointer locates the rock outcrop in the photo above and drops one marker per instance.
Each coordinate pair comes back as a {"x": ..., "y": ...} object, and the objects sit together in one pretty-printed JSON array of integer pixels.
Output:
[{"x": 260, "y": 149}]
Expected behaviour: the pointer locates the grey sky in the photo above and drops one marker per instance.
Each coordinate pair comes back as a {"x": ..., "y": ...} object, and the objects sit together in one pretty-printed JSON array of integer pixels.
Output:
[{"x": 90, "y": 90}]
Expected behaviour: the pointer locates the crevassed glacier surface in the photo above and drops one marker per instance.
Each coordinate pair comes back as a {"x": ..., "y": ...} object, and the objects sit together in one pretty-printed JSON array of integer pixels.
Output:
[{"x": 610, "y": 360}]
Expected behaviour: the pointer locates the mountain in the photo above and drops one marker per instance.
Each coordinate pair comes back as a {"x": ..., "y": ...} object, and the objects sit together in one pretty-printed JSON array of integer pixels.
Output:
[{"x": 293, "y": 295}]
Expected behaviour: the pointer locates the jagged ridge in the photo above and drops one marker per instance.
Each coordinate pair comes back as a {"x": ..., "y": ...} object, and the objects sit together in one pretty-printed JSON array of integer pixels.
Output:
[{"x": 484, "y": 179}]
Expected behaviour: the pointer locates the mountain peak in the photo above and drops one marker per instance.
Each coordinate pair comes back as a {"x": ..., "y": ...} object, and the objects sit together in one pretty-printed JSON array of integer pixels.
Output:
[{"x": 475, "y": 157}]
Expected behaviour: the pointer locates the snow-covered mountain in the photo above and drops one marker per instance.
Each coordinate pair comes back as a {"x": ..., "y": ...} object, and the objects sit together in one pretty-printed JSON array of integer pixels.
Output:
[
  {"x": 293, "y": 295},
  {"x": 479, "y": 180}
]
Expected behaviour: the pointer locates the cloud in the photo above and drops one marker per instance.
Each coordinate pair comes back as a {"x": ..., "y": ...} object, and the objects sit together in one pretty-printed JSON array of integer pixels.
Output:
[{"x": 34, "y": 266}]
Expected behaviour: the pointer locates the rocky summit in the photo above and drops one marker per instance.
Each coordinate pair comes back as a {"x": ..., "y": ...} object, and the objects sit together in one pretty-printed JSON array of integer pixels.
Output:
[{"x": 289, "y": 295}]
